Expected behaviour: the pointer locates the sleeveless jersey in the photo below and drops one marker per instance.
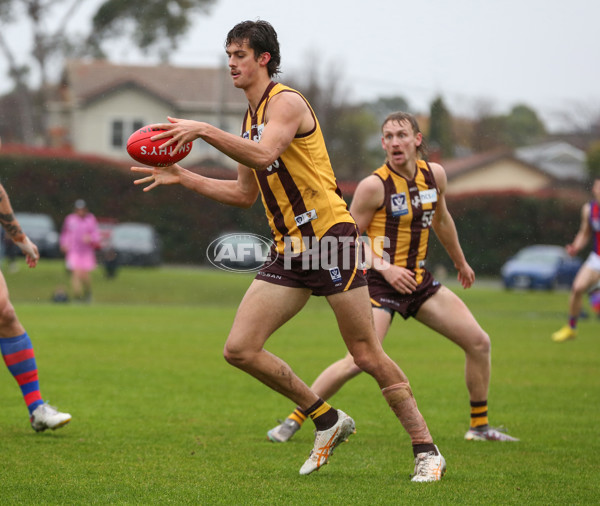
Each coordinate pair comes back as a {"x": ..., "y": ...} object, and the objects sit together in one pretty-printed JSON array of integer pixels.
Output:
[
  {"x": 400, "y": 227},
  {"x": 595, "y": 224},
  {"x": 299, "y": 190}
]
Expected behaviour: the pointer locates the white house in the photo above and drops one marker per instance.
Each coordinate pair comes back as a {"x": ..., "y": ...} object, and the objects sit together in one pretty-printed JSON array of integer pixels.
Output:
[{"x": 99, "y": 104}]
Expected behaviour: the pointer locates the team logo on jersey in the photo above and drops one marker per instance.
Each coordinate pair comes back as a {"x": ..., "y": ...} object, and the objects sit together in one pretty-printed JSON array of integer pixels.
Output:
[
  {"x": 428, "y": 196},
  {"x": 596, "y": 224},
  {"x": 398, "y": 204},
  {"x": 416, "y": 202},
  {"x": 304, "y": 218},
  {"x": 336, "y": 275}
]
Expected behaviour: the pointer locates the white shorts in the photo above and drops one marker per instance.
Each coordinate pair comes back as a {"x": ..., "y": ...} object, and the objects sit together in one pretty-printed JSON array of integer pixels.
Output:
[{"x": 593, "y": 261}]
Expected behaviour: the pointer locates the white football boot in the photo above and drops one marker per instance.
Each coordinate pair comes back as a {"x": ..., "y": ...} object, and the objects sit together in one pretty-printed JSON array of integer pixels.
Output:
[
  {"x": 47, "y": 417},
  {"x": 429, "y": 467},
  {"x": 326, "y": 441}
]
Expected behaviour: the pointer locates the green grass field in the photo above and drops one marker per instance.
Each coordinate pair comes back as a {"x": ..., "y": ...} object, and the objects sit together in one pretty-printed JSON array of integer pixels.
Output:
[{"x": 160, "y": 418}]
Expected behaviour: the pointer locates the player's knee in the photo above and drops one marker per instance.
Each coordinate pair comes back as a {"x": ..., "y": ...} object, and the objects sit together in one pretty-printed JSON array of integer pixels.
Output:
[
  {"x": 235, "y": 356},
  {"x": 230, "y": 356},
  {"x": 8, "y": 316},
  {"x": 483, "y": 344},
  {"x": 364, "y": 362}
]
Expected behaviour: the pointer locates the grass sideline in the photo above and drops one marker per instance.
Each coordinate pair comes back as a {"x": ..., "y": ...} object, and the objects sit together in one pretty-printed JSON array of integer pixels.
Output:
[{"x": 160, "y": 418}]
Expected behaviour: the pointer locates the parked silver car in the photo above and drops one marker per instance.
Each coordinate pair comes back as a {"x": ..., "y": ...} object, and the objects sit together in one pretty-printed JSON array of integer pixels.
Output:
[
  {"x": 41, "y": 229},
  {"x": 136, "y": 244}
]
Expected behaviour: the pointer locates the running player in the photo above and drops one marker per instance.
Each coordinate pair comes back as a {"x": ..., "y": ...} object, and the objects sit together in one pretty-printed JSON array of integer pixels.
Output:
[
  {"x": 15, "y": 344},
  {"x": 282, "y": 156},
  {"x": 396, "y": 206},
  {"x": 589, "y": 273}
]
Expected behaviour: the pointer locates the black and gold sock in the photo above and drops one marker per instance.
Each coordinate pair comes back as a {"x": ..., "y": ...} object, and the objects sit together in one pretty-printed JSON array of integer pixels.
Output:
[
  {"x": 479, "y": 414},
  {"x": 322, "y": 414},
  {"x": 299, "y": 416}
]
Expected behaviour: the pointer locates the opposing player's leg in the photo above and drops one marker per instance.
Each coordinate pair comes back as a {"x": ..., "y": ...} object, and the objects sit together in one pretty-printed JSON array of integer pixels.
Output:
[
  {"x": 445, "y": 313},
  {"x": 19, "y": 357},
  {"x": 329, "y": 382},
  {"x": 355, "y": 320},
  {"x": 585, "y": 279}
]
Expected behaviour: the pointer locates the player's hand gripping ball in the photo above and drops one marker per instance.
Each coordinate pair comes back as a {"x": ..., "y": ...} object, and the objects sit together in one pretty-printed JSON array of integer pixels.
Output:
[{"x": 142, "y": 149}]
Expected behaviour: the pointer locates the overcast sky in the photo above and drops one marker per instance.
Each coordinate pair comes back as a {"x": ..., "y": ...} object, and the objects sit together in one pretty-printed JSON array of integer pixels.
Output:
[{"x": 544, "y": 53}]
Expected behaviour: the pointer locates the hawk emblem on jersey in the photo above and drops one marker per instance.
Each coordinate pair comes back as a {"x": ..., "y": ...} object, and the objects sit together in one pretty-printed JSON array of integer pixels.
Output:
[
  {"x": 416, "y": 202},
  {"x": 304, "y": 218},
  {"x": 398, "y": 204}
]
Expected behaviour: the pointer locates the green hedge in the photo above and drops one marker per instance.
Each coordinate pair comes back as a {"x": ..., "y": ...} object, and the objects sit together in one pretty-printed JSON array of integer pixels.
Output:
[
  {"x": 494, "y": 226},
  {"x": 491, "y": 227},
  {"x": 185, "y": 222}
]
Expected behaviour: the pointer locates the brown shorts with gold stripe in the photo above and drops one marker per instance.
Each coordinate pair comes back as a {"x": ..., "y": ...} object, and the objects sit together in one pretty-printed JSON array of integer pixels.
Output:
[
  {"x": 336, "y": 265},
  {"x": 384, "y": 296}
]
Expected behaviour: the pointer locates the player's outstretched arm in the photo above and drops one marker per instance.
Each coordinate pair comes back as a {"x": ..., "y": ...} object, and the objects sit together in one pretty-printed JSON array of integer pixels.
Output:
[
  {"x": 287, "y": 115},
  {"x": 241, "y": 192}
]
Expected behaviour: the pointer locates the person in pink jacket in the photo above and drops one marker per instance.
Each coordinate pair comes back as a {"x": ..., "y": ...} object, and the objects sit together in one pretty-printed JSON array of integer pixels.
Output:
[{"x": 79, "y": 240}]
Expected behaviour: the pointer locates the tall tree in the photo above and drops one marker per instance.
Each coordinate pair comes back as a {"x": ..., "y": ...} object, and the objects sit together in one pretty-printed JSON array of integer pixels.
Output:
[
  {"x": 347, "y": 129},
  {"x": 441, "y": 137},
  {"x": 523, "y": 126},
  {"x": 151, "y": 24}
]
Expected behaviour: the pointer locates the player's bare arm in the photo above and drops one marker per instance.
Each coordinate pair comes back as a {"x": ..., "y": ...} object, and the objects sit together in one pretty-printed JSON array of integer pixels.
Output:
[
  {"x": 368, "y": 197},
  {"x": 583, "y": 234},
  {"x": 287, "y": 116},
  {"x": 241, "y": 192},
  {"x": 445, "y": 229},
  {"x": 13, "y": 229}
]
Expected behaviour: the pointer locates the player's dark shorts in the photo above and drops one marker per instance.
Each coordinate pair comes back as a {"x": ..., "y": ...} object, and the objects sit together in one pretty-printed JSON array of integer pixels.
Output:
[
  {"x": 336, "y": 269},
  {"x": 384, "y": 296}
]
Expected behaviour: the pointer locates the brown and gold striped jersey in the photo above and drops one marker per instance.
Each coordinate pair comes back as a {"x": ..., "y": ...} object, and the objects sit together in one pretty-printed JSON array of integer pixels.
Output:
[
  {"x": 299, "y": 190},
  {"x": 400, "y": 227}
]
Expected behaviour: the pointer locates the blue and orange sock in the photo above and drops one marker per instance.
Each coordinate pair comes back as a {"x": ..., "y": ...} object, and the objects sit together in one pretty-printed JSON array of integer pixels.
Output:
[{"x": 19, "y": 357}]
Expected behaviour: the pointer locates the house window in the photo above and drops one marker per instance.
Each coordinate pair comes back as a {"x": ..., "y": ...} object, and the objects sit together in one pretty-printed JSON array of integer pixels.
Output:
[{"x": 122, "y": 129}]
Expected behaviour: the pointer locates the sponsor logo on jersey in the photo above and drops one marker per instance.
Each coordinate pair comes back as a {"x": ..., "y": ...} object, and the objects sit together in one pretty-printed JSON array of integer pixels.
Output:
[
  {"x": 428, "y": 196},
  {"x": 398, "y": 204},
  {"x": 304, "y": 218}
]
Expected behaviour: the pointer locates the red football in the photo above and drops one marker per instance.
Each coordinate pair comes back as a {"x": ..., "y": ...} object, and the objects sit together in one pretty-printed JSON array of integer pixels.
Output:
[{"x": 142, "y": 149}]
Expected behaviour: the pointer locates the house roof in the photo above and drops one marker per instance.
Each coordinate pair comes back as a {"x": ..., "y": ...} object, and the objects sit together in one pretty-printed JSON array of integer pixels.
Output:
[
  {"x": 559, "y": 159},
  {"x": 182, "y": 87},
  {"x": 460, "y": 166}
]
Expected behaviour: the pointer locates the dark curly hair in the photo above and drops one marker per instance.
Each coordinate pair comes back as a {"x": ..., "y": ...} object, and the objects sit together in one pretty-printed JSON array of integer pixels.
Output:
[{"x": 261, "y": 37}]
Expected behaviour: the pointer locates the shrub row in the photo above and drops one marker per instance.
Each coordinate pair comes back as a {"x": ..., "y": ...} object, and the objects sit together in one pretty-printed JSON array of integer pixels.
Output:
[{"x": 491, "y": 227}]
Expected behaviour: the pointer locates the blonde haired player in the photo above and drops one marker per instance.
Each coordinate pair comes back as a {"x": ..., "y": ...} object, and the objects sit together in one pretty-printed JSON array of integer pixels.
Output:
[{"x": 397, "y": 206}]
